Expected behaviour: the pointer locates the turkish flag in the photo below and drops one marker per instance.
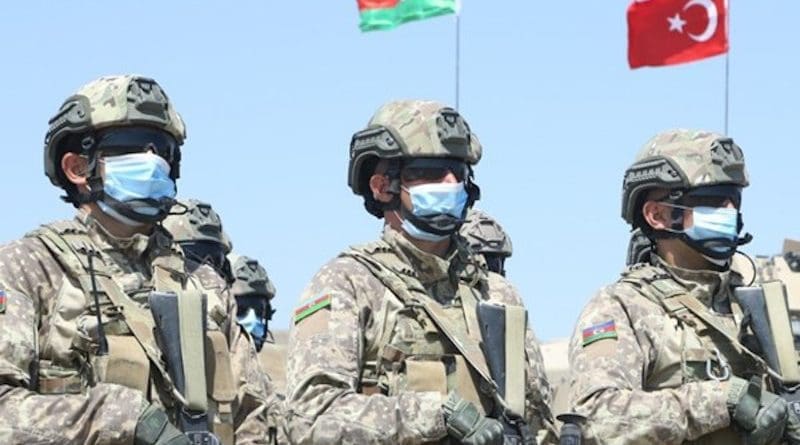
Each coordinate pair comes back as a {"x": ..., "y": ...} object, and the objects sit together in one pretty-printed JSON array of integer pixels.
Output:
[{"x": 668, "y": 32}]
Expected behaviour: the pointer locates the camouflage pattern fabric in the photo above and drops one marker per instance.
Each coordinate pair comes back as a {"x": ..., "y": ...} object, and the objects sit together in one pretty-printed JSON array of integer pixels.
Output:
[
  {"x": 328, "y": 400},
  {"x": 695, "y": 154},
  {"x": 638, "y": 372},
  {"x": 113, "y": 102},
  {"x": 42, "y": 326},
  {"x": 420, "y": 124}
]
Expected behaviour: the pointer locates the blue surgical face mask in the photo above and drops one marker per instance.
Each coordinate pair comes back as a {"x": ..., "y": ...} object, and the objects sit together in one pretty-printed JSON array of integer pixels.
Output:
[
  {"x": 714, "y": 222},
  {"x": 436, "y": 211},
  {"x": 137, "y": 188},
  {"x": 255, "y": 326},
  {"x": 709, "y": 224}
]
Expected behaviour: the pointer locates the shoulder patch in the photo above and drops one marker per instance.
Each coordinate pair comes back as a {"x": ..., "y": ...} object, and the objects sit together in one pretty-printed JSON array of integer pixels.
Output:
[
  {"x": 606, "y": 329},
  {"x": 314, "y": 304},
  {"x": 2, "y": 301}
]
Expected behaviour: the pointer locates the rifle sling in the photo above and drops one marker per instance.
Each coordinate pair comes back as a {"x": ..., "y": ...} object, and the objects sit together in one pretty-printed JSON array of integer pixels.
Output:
[
  {"x": 139, "y": 321},
  {"x": 696, "y": 307},
  {"x": 468, "y": 348}
]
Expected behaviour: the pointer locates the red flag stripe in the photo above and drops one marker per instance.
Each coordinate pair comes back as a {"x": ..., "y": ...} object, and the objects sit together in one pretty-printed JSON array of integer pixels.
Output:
[{"x": 364, "y": 5}]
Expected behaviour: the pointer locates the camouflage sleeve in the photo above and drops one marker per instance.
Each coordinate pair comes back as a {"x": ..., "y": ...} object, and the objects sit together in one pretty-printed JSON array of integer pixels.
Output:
[
  {"x": 325, "y": 361},
  {"x": 538, "y": 394},
  {"x": 103, "y": 414},
  {"x": 615, "y": 344}
]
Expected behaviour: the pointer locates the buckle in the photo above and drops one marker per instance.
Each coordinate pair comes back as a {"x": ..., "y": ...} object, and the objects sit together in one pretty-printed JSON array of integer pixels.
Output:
[{"x": 724, "y": 372}]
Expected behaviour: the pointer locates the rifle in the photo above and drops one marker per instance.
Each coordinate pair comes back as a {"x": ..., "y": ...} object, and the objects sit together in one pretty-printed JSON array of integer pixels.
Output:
[
  {"x": 492, "y": 320},
  {"x": 766, "y": 312},
  {"x": 181, "y": 327}
]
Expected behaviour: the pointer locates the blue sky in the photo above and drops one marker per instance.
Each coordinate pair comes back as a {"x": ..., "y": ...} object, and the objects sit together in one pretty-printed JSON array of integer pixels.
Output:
[{"x": 272, "y": 91}]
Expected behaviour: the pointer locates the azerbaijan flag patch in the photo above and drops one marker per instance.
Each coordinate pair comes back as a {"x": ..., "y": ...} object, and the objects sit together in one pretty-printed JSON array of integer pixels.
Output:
[
  {"x": 2, "y": 301},
  {"x": 600, "y": 331},
  {"x": 310, "y": 306}
]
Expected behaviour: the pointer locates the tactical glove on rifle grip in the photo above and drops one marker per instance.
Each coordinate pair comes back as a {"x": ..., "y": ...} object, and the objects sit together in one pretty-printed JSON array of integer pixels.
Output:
[
  {"x": 762, "y": 416},
  {"x": 465, "y": 423},
  {"x": 153, "y": 428}
]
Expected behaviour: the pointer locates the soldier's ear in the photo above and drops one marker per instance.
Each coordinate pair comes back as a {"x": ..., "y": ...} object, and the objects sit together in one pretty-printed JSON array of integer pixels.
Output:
[
  {"x": 379, "y": 186},
  {"x": 657, "y": 215},
  {"x": 75, "y": 168}
]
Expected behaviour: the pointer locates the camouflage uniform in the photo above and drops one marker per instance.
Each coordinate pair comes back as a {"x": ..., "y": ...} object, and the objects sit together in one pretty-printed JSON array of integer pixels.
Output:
[
  {"x": 252, "y": 288},
  {"x": 648, "y": 364},
  {"x": 54, "y": 388},
  {"x": 366, "y": 363}
]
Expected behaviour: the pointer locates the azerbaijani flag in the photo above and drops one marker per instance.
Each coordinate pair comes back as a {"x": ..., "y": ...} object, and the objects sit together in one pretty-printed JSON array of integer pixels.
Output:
[{"x": 378, "y": 15}]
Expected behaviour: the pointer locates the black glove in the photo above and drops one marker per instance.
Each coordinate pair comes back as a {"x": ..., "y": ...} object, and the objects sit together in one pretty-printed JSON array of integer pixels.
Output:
[
  {"x": 153, "y": 428},
  {"x": 465, "y": 423},
  {"x": 762, "y": 416}
]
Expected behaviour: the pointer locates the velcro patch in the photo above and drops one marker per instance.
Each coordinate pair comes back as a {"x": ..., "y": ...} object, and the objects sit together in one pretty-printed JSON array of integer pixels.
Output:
[
  {"x": 310, "y": 306},
  {"x": 2, "y": 301},
  {"x": 607, "y": 329}
]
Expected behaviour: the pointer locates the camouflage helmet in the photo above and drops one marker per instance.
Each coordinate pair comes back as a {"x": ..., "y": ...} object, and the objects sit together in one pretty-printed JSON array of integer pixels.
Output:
[
  {"x": 406, "y": 129},
  {"x": 191, "y": 220},
  {"x": 681, "y": 160},
  {"x": 111, "y": 101},
  {"x": 485, "y": 234},
  {"x": 250, "y": 278}
]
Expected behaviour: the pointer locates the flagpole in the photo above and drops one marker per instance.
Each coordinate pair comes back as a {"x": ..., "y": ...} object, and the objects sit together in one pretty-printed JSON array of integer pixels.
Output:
[
  {"x": 727, "y": 63},
  {"x": 458, "y": 55}
]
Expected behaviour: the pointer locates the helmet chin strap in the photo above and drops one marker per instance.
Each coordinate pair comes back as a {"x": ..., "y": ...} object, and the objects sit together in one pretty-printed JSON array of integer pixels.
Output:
[
  {"x": 127, "y": 209},
  {"x": 709, "y": 248},
  {"x": 441, "y": 224}
]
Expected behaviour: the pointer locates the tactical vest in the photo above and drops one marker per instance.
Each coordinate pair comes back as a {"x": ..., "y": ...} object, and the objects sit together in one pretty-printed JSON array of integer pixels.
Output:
[
  {"x": 692, "y": 349},
  {"x": 68, "y": 360},
  {"x": 412, "y": 352}
]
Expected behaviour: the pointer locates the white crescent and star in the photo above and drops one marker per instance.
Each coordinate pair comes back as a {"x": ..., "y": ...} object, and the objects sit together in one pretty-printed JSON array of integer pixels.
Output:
[{"x": 676, "y": 22}]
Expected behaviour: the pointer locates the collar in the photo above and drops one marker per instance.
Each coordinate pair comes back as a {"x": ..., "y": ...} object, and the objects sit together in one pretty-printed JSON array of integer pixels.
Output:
[
  {"x": 138, "y": 246},
  {"x": 428, "y": 268},
  {"x": 711, "y": 287}
]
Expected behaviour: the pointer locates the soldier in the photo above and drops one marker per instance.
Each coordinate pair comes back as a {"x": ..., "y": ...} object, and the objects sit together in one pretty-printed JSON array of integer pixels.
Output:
[
  {"x": 384, "y": 345},
  {"x": 197, "y": 228},
  {"x": 655, "y": 357},
  {"x": 79, "y": 359},
  {"x": 487, "y": 237},
  {"x": 253, "y": 291}
]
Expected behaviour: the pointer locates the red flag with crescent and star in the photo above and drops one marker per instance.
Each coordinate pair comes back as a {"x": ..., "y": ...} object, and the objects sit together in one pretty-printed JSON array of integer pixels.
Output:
[{"x": 668, "y": 32}]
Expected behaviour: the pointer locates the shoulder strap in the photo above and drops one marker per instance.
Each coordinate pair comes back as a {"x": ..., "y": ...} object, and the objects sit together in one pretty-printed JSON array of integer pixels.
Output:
[
  {"x": 676, "y": 299},
  {"x": 466, "y": 346},
  {"x": 696, "y": 307},
  {"x": 138, "y": 320}
]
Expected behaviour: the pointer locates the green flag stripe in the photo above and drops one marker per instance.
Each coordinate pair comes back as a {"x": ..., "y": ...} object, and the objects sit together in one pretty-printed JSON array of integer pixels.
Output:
[
  {"x": 406, "y": 11},
  {"x": 599, "y": 336},
  {"x": 306, "y": 312}
]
